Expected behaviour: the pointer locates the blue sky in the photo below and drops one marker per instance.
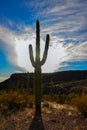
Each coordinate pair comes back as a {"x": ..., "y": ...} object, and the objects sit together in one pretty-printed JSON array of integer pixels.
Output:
[{"x": 64, "y": 20}]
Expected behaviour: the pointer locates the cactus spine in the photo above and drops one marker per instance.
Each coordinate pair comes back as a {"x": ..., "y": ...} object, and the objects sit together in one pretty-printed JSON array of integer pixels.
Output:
[{"x": 37, "y": 63}]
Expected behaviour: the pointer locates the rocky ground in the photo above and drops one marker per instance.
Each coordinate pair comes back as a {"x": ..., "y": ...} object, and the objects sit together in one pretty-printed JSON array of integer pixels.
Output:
[{"x": 53, "y": 117}]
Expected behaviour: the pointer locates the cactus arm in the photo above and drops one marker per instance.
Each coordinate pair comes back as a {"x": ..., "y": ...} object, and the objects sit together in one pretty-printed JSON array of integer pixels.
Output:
[
  {"x": 45, "y": 50},
  {"x": 31, "y": 55}
]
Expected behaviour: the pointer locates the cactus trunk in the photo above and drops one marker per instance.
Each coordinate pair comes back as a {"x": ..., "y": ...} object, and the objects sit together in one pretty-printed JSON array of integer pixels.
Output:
[
  {"x": 38, "y": 92},
  {"x": 37, "y": 65}
]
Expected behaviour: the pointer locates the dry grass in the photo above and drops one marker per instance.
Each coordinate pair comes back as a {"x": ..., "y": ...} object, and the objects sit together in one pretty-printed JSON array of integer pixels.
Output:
[
  {"x": 54, "y": 117},
  {"x": 75, "y": 100},
  {"x": 81, "y": 103},
  {"x": 17, "y": 111},
  {"x": 15, "y": 99}
]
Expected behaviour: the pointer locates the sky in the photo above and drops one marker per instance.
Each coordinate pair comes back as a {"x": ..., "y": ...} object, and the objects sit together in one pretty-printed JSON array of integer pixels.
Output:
[{"x": 64, "y": 20}]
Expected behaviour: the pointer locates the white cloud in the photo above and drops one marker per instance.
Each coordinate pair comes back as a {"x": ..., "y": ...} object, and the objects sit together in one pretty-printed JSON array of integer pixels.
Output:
[
  {"x": 16, "y": 46},
  {"x": 65, "y": 19},
  {"x": 59, "y": 54},
  {"x": 78, "y": 52},
  {"x": 7, "y": 38}
]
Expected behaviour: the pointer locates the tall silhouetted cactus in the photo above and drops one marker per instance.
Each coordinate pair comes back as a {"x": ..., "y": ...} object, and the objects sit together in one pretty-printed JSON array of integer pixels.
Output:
[{"x": 37, "y": 63}]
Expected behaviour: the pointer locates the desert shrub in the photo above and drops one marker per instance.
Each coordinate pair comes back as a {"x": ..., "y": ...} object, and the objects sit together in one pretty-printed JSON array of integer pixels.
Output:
[
  {"x": 80, "y": 102},
  {"x": 60, "y": 98},
  {"x": 50, "y": 97},
  {"x": 69, "y": 97},
  {"x": 55, "y": 98},
  {"x": 14, "y": 99}
]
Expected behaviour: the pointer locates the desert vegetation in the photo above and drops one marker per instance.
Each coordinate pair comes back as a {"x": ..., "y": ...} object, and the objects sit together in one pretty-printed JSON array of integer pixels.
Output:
[
  {"x": 15, "y": 100},
  {"x": 17, "y": 107},
  {"x": 19, "y": 99}
]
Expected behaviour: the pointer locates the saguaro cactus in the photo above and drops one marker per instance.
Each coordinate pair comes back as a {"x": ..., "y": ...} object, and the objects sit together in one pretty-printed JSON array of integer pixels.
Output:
[{"x": 37, "y": 63}]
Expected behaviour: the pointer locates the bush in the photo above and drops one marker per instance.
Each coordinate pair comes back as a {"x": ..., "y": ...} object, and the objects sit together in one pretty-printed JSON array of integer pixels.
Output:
[
  {"x": 15, "y": 100},
  {"x": 51, "y": 98},
  {"x": 81, "y": 103}
]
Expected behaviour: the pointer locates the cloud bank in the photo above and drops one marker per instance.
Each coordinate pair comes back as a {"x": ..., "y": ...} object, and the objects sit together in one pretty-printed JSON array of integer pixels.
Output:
[
  {"x": 65, "y": 21},
  {"x": 16, "y": 50},
  {"x": 15, "y": 46}
]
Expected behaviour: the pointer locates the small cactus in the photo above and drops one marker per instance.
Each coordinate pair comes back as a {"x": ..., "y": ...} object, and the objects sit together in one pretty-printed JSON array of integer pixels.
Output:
[{"x": 37, "y": 63}]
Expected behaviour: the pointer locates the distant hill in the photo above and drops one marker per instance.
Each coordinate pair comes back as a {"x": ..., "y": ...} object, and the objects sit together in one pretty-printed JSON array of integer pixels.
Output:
[{"x": 26, "y": 79}]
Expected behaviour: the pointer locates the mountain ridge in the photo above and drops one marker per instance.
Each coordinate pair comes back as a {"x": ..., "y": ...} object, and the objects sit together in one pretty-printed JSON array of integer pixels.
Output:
[{"x": 27, "y": 79}]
